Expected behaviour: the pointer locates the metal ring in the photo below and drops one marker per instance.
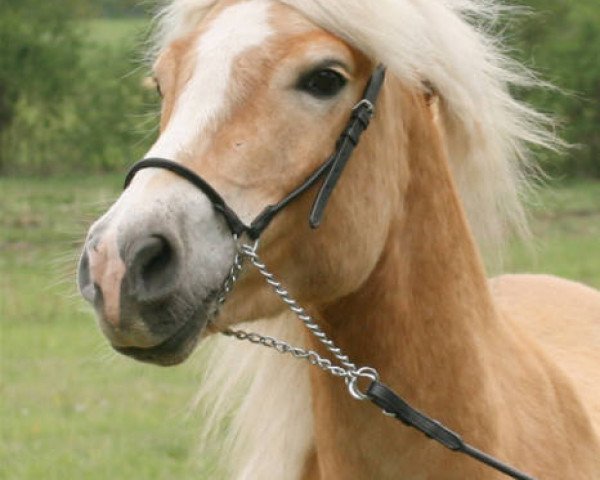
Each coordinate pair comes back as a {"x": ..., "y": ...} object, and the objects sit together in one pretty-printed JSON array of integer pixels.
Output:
[{"x": 364, "y": 372}]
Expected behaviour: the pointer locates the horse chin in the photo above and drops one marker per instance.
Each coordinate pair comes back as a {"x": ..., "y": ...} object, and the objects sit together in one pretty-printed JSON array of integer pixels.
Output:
[{"x": 176, "y": 348}]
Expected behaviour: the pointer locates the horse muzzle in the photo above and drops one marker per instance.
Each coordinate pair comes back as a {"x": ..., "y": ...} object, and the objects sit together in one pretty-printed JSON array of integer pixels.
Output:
[{"x": 153, "y": 277}]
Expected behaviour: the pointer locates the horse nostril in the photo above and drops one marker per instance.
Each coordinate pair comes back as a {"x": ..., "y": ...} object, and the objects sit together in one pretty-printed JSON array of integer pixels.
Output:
[
  {"x": 153, "y": 269},
  {"x": 84, "y": 280}
]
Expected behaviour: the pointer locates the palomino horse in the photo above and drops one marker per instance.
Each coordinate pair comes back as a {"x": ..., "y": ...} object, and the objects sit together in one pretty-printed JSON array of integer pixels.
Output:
[{"x": 255, "y": 95}]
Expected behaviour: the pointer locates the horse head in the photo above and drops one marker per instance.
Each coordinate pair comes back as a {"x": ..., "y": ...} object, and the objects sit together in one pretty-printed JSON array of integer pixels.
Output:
[{"x": 254, "y": 99}]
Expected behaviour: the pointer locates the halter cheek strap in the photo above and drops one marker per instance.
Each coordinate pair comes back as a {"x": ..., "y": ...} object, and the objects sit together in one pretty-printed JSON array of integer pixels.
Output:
[
  {"x": 332, "y": 169},
  {"x": 361, "y": 117}
]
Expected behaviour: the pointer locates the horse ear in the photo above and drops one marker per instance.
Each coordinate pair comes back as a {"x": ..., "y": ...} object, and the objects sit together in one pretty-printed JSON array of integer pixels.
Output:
[
  {"x": 149, "y": 83},
  {"x": 430, "y": 93}
]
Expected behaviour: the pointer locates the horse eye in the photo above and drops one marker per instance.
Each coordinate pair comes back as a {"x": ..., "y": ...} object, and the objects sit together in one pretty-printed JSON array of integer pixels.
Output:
[{"x": 322, "y": 83}]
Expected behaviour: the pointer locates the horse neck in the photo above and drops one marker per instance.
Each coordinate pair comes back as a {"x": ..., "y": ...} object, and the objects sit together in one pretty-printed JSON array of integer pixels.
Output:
[{"x": 422, "y": 319}]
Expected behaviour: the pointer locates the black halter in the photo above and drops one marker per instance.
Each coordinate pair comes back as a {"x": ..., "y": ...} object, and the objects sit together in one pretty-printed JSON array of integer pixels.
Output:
[{"x": 331, "y": 170}]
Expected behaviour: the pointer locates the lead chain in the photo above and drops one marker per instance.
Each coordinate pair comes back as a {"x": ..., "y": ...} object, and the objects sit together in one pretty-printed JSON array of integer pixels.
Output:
[
  {"x": 283, "y": 347},
  {"x": 346, "y": 370},
  {"x": 293, "y": 305},
  {"x": 232, "y": 277}
]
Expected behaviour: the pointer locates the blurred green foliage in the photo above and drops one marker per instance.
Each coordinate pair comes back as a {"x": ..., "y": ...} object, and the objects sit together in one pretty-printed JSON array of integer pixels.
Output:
[
  {"x": 560, "y": 39},
  {"x": 118, "y": 8},
  {"x": 72, "y": 100},
  {"x": 68, "y": 102},
  {"x": 33, "y": 40}
]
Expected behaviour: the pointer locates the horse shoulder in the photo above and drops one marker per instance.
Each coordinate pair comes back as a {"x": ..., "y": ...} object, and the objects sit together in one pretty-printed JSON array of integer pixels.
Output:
[{"x": 563, "y": 318}]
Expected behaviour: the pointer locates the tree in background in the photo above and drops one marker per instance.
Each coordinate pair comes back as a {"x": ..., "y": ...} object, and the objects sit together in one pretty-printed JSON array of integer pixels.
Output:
[
  {"x": 66, "y": 104},
  {"x": 561, "y": 41},
  {"x": 119, "y": 8},
  {"x": 40, "y": 53}
]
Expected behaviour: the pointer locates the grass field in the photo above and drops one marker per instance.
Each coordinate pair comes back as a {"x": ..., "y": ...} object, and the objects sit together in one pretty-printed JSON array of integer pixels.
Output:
[
  {"x": 72, "y": 409},
  {"x": 566, "y": 234}
]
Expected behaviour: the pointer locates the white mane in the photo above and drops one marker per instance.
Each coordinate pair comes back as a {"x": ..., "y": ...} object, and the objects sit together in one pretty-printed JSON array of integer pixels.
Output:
[{"x": 488, "y": 134}]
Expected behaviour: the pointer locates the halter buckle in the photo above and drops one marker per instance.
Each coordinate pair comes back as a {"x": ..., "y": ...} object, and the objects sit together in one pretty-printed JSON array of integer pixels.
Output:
[{"x": 365, "y": 103}]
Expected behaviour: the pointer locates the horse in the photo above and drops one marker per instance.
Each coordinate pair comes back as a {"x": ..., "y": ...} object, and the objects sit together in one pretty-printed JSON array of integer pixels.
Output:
[{"x": 255, "y": 94}]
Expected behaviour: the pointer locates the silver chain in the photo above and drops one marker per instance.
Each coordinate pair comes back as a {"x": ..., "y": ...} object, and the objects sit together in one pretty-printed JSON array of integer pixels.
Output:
[
  {"x": 344, "y": 369},
  {"x": 232, "y": 277},
  {"x": 283, "y": 347}
]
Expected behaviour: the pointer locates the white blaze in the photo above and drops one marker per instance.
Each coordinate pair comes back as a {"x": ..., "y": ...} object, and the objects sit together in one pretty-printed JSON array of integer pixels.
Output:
[{"x": 236, "y": 29}]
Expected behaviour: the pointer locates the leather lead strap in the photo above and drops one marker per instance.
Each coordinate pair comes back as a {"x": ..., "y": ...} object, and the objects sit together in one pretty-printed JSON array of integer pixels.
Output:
[{"x": 392, "y": 404}]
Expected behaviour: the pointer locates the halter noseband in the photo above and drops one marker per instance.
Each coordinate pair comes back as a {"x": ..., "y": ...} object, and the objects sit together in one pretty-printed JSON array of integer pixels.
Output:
[{"x": 331, "y": 170}]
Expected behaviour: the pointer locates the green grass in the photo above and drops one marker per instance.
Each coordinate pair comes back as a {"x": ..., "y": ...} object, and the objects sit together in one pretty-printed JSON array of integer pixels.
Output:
[
  {"x": 566, "y": 228},
  {"x": 70, "y": 408}
]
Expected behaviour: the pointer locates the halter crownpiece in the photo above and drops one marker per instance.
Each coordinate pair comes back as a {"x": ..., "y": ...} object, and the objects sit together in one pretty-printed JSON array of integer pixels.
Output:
[{"x": 361, "y": 116}]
